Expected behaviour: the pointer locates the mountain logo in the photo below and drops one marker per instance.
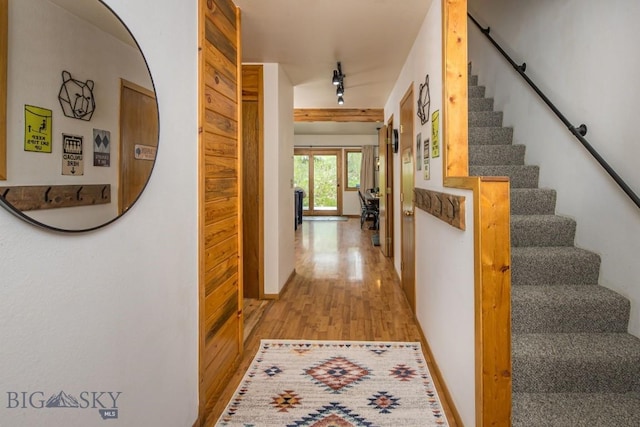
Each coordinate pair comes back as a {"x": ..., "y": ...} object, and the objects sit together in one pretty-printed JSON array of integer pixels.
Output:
[{"x": 62, "y": 400}]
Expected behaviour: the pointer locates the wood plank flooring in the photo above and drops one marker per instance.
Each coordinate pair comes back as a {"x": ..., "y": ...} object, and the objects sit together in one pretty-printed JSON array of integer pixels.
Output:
[{"x": 344, "y": 289}]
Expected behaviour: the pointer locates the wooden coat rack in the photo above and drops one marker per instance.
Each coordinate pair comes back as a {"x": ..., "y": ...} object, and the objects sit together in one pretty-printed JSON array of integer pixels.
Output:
[{"x": 35, "y": 197}]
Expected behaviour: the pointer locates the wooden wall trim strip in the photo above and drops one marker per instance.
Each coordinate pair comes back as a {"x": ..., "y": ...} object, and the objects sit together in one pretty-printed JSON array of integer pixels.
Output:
[
  {"x": 4, "y": 34},
  {"x": 449, "y": 208},
  {"x": 491, "y": 212},
  {"x": 337, "y": 115}
]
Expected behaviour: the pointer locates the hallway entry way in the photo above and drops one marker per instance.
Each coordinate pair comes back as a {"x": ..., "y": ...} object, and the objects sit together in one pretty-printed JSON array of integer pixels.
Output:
[
  {"x": 319, "y": 173},
  {"x": 344, "y": 289}
]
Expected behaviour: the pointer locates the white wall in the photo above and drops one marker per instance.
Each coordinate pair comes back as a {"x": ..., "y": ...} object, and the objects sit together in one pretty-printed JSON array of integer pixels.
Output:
[
  {"x": 279, "y": 257},
  {"x": 350, "y": 202},
  {"x": 38, "y": 53},
  {"x": 444, "y": 254},
  {"x": 116, "y": 309},
  {"x": 583, "y": 55}
]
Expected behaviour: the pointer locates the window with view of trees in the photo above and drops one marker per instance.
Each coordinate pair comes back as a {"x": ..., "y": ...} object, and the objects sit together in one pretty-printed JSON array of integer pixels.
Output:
[{"x": 352, "y": 168}]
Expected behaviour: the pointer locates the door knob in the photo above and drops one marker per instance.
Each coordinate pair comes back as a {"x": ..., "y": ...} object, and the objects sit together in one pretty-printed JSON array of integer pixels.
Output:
[{"x": 408, "y": 213}]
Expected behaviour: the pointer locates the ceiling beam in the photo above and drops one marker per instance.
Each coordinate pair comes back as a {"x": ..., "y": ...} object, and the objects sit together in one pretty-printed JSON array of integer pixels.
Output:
[{"x": 370, "y": 115}]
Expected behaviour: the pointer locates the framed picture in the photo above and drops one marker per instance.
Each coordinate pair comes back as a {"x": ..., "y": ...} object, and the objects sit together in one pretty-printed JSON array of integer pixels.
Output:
[
  {"x": 419, "y": 151},
  {"x": 426, "y": 161}
]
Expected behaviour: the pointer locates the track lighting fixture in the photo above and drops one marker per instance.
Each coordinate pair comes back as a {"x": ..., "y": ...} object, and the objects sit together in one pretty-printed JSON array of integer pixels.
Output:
[{"x": 338, "y": 80}]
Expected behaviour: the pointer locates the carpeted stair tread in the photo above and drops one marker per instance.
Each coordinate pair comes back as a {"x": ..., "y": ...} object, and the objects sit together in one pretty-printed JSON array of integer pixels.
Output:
[
  {"x": 556, "y": 265},
  {"x": 578, "y": 362},
  {"x": 480, "y": 104},
  {"x": 567, "y": 308},
  {"x": 488, "y": 155},
  {"x": 519, "y": 176},
  {"x": 490, "y": 136},
  {"x": 473, "y": 80},
  {"x": 575, "y": 410},
  {"x": 476, "y": 91},
  {"x": 533, "y": 201},
  {"x": 542, "y": 230},
  {"x": 485, "y": 118}
]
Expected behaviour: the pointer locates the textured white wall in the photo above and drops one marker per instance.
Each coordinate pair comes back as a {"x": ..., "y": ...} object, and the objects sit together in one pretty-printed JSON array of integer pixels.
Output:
[
  {"x": 116, "y": 309},
  {"x": 444, "y": 254},
  {"x": 285, "y": 178},
  {"x": 279, "y": 258},
  {"x": 38, "y": 53},
  {"x": 583, "y": 55}
]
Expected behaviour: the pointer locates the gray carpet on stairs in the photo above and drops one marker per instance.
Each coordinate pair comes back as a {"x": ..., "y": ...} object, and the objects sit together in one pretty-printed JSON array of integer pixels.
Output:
[{"x": 573, "y": 363}]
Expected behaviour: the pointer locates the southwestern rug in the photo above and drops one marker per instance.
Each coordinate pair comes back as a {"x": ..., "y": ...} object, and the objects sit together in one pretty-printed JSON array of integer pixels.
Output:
[{"x": 335, "y": 384}]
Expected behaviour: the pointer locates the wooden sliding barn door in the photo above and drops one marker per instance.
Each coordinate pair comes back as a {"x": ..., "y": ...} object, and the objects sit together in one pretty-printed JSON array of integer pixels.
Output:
[{"x": 220, "y": 199}]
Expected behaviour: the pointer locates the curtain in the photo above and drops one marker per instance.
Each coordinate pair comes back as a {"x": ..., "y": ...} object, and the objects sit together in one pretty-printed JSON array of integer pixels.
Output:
[{"x": 367, "y": 168}]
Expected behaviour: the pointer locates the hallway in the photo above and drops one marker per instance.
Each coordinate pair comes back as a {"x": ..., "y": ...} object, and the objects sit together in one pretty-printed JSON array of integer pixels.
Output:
[{"x": 344, "y": 289}]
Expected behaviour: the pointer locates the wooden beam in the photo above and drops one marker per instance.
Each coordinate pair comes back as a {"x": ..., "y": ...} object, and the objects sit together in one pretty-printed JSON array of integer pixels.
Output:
[
  {"x": 455, "y": 87},
  {"x": 370, "y": 115}
]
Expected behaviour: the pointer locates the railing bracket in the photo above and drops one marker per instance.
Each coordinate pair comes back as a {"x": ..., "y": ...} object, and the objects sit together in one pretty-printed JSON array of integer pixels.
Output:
[{"x": 582, "y": 129}]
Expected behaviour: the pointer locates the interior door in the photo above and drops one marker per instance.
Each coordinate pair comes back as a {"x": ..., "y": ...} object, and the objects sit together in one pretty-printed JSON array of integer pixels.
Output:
[
  {"x": 138, "y": 141},
  {"x": 406, "y": 199},
  {"x": 319, "y": 174}
]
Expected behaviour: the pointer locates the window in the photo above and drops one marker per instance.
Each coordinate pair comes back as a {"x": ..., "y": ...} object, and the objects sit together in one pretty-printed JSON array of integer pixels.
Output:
[{"x": 352, "y": 168}]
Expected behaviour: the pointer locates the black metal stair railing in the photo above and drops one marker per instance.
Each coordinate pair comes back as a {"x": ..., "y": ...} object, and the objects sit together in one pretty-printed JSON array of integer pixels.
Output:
[{"x": 579, "y": 132}]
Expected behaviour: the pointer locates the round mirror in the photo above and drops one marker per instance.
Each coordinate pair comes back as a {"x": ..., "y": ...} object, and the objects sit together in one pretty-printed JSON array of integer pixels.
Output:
[{"x": 81, "y": 114}]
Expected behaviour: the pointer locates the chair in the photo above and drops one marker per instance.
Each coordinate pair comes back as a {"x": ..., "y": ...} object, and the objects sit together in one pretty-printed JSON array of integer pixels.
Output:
[{"x": 368, "y": 211}]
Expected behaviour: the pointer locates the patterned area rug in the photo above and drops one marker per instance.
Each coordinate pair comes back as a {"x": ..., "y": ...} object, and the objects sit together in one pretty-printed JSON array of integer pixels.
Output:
[{"x": 335, "y": 384}]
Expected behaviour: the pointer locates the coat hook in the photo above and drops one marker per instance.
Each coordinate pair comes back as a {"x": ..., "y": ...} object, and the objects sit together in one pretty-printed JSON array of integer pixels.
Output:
[
  {"x": 102, "y": 194},
  {"x": 78, "y": 194},
  {"x": 46, "y": 195}
]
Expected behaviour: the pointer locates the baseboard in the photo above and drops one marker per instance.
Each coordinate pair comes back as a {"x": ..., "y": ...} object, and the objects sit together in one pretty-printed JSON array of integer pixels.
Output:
[
  {"x": 284, "y": 288},
  {"x": 438, "y": 375}
]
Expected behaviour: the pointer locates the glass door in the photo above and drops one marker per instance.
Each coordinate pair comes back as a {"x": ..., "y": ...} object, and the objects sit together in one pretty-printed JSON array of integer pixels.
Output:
[{"x": 317, "y": 172}]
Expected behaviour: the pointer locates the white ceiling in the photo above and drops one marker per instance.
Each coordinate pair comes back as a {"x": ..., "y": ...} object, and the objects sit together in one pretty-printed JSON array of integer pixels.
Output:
[{"x": 371, "y": 38}]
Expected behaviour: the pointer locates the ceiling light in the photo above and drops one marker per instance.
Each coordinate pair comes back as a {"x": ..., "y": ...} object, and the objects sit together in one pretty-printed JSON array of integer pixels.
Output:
[
  {"x": 340, "y": 90},
  {"x": 336, "y": 79},
  {"x": 340, "y": 100}
]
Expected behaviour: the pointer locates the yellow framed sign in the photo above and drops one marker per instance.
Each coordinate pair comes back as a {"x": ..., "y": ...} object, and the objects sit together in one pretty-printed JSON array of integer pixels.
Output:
[{"x": 37, "y": 129}]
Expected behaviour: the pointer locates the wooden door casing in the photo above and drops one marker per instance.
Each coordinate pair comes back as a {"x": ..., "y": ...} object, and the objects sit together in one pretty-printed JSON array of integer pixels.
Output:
[
  {"x": 383, "y": 144},
  {"x": 406, "y": 199},
  {"x": 220, "y": 199},
  {"x": 253, "y": 192}
]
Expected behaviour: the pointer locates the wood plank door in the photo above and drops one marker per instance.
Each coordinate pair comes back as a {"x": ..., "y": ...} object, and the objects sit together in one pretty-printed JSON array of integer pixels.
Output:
[
  {"x": 220, "y": 199},
  {"x": 252, "y": 192},
  {"x": 138, "y": 127},
  {"x": 406, "y": 199}
]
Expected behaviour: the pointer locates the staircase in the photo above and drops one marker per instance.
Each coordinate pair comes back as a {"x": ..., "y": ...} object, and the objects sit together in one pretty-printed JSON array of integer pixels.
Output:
[{"x": 573, "y": 364}]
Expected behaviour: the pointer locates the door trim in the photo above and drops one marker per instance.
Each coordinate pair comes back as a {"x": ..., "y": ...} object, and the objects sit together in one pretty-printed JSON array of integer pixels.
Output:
[
  {"x": 407, "y": 141},
  {"x": 323, "y": 151}
]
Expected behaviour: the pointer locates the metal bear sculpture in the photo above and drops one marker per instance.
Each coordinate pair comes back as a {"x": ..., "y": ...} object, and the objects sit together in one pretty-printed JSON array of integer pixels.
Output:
[{"x": 76, "y": 97}]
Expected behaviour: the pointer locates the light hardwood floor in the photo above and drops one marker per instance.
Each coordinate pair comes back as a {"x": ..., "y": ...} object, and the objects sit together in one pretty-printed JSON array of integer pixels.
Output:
[{"x": 344, "y": 289}]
